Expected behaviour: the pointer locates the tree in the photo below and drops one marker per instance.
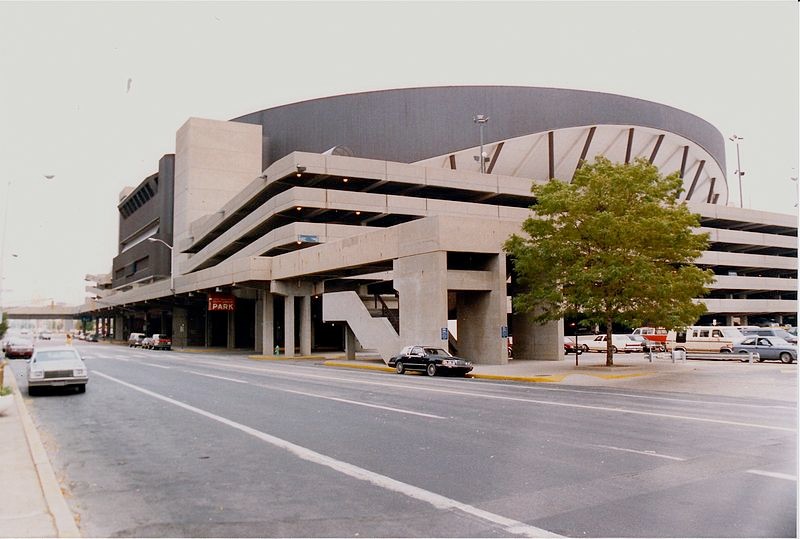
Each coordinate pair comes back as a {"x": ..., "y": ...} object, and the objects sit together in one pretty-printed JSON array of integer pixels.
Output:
[
  {"x": 4, "y": 325},
  {"x": 615, "y": 245}
]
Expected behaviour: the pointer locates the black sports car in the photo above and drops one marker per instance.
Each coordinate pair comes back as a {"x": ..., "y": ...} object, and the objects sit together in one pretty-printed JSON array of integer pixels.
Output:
[{"x": 429, "y": 359}]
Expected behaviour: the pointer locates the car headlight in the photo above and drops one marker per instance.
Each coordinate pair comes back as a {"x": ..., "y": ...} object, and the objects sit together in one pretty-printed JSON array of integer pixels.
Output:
[
  {"x": 79, "y": 372},
  {"x": 37, "y": 374}
]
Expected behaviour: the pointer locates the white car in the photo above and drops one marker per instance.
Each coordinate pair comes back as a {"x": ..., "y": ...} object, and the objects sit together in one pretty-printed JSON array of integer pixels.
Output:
[
  {"x": 57, "y": 367},
  {"x": 619, "y": 343}
]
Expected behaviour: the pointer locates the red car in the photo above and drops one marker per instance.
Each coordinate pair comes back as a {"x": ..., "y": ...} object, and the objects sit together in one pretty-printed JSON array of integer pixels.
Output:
[
  {"x": 569, "y": 346},
  {"x": 16, "y": 348}
]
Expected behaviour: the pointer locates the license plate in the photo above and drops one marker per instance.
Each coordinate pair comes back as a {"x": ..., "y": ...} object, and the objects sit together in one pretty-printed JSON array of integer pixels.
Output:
[{"x": 58, "y": 384}]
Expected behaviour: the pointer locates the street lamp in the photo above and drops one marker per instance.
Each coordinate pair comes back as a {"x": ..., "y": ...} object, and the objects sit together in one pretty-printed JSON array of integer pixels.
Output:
[
  {"x": 736, "y": 138},
  {"x": 481, "y": 120},
  {"x": 171, "y": 263}
]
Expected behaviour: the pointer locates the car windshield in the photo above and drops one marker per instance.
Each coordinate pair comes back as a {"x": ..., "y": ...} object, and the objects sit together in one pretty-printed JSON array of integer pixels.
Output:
[
  {"x": 436, "y": 352},
  {"x": 56, "y": 355}
]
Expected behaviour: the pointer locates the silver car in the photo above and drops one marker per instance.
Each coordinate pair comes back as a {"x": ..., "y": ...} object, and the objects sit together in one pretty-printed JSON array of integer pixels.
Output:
[
  {"x": 767, "y": 348},
  {"x": 57, "y": 367}
]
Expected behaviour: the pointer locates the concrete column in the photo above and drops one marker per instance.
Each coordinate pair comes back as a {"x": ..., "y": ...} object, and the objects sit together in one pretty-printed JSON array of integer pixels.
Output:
[
  {"x": 481, "y": 317},
  {"x": 421, "y": 283},
  {"x": 349, "y": 343},
  {"x": 536, "y": 341},
  {"x": 265, "y": 323},
  {"x": 305, "y": 326},
  {"x": 288, "y": 325},
  {"x": 231, "y": 330},
  {"x": 180, "y": 324}
]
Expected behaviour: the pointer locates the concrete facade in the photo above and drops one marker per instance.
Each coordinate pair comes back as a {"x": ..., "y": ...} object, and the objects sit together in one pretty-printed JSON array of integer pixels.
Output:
[{"x": 400, "y": 236}]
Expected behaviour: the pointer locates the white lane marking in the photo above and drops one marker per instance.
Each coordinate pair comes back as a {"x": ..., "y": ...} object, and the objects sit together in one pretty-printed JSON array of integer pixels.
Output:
[
  {"x": 296, "y": 374},
  {"x": 648, "y": 453},
  {"x": 154, "y": 365},
  {"x": 356, "y": 472},
  {"x": 219, "y": 377},
  {"x": 522, "y": 399},
  {"x": 315, "y": 395},
  {"x": 776, "y": 475},
  {"x": 348, "y": 401}
]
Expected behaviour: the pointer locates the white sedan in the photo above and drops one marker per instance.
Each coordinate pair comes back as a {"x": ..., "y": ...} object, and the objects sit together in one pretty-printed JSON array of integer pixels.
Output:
[{"x": 57, "y": 367}]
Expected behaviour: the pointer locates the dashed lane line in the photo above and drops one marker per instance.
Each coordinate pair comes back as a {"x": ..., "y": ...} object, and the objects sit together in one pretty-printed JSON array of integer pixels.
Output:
[
  {"x": 776, "y": 475},
  {"x": 639, "y": 452},
  {"x": 438, "y": 501}
]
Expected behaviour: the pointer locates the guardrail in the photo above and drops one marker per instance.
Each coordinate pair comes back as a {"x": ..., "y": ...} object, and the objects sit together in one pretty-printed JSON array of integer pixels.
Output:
[{"x": 682, "y": 355}]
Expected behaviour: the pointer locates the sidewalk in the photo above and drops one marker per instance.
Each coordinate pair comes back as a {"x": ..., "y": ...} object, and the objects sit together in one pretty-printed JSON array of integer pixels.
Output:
[{"x": 31, "y": 501}]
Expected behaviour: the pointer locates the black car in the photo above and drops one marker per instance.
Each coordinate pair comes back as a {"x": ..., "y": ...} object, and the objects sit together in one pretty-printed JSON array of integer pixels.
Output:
[{"x": 429, "y": 359}]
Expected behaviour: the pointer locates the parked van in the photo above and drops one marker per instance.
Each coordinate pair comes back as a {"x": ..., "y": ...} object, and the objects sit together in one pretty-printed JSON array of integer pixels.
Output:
[{"x": 712, "y": 339}]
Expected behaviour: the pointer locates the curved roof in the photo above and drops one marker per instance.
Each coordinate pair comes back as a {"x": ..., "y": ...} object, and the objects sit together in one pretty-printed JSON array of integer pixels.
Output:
[{"x": 435, "y": 126}]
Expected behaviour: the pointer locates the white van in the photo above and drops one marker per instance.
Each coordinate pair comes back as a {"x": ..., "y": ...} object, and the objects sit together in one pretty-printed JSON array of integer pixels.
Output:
[{"x": 712, "y": 339}]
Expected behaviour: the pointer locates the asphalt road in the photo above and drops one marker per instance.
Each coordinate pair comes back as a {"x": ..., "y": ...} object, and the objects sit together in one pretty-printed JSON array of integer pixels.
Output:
[{"x": 186, "y": 444}]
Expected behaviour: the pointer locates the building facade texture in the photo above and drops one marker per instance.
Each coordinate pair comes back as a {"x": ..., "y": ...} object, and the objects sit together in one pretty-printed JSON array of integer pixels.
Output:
[{"x": 365, "y": 221}]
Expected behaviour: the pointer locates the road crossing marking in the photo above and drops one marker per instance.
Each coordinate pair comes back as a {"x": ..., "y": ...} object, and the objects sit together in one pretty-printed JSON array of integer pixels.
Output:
[{"x": 508, "y": 525}]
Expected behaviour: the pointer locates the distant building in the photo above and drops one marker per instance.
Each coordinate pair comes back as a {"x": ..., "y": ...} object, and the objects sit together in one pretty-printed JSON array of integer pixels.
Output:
[{"x": 364, "y": 220}]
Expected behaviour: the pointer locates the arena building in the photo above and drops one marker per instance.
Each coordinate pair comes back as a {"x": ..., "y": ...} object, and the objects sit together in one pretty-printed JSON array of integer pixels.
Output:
[{"x": 376, "y": 220}]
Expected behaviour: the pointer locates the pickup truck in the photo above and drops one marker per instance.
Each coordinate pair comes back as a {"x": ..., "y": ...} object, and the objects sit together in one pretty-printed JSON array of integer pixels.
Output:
[
  {"x": 619, "y": 343},
  {"x": 159, "y": 342}
]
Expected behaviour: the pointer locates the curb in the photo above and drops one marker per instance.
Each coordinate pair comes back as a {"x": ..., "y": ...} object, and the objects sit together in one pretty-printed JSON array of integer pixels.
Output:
[
  {"x": 285, "y": 358},
  {"x": 358, "y": 366},
  {"x": 63, "y": 518},
  {"x": 547, "y": 378}
]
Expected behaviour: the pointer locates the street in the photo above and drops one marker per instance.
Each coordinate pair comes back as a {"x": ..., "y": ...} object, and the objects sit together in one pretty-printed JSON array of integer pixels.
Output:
[{"x": 167, "y": 443}]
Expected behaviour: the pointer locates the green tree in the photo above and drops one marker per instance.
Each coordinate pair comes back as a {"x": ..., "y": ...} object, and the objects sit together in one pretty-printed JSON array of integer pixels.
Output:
[
  {"x": 615, "y": 245},
  {"x": 4, "y": 325}
]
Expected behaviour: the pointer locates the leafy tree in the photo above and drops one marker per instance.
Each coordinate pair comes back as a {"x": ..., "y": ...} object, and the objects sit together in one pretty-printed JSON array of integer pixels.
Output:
[
  {"x": 615, "y": 245},
  {"x": 4, "y": 325}
]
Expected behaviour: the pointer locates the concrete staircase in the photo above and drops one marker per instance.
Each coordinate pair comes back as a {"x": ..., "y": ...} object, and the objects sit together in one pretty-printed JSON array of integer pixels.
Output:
[{"x": 373, "y": 333}]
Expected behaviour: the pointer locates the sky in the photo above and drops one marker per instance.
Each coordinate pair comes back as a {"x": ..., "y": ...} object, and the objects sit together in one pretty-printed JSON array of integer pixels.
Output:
[{"x": 93, "y": 93}]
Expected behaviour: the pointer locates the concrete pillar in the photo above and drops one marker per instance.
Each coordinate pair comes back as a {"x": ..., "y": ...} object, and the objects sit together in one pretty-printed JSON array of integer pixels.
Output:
[
  {"x": 421, "y": 284},
  {"x": 288, "y": 325},
  {"x": 265, "y": 323},
  {"x": 349, "y": 343},
  {"x": 305, "y": 326},
  {"x": 537, "y": 341},
  {"x": 231, "y": 330},
  {"x": 180, "y": 324},
  {"x": 481, "y": 317}
]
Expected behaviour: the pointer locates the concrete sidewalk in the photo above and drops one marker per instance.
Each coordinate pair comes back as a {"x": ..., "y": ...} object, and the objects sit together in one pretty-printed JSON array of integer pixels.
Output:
[{"x": 31, "y": 501}]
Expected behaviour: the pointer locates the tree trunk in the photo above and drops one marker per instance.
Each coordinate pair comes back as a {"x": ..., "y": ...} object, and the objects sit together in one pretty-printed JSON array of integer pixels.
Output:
[{"x": 609, "y": 344}]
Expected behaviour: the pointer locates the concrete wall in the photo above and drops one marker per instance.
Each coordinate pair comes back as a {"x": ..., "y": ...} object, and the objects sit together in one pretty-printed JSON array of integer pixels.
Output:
[{"x": 213, "y": 162}]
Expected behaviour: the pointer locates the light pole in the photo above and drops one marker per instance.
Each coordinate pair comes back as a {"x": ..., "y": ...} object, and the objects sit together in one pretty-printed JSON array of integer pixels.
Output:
[
  {"x": 171, "y": 264},
  {"x": 481, "y": 120},
  {"x": 3, "y": 248},
  {"x": 736, "y": 138}
]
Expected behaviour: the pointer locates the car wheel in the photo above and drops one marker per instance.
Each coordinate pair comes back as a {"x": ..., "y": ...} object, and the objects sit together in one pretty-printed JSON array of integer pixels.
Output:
[
  {"x": 613, "y": 349},
  {"x": 585, "y": 347},
  {"x": 785, "y": 357},
  {"x": 400, "y": 367},
  {"x": 81, "y": 388},
  {"x": 726, "y": 351},
  {"x": 431, "y": 370}
]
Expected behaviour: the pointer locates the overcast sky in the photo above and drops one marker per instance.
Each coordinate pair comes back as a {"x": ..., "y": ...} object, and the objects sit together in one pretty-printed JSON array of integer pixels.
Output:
[{"x": 93, "y": 93}]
